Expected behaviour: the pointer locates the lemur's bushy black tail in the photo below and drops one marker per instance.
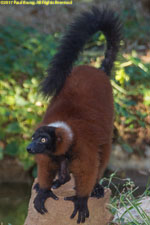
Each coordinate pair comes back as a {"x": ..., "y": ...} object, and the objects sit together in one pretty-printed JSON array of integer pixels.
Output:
[{"x": 72, "y": 43}]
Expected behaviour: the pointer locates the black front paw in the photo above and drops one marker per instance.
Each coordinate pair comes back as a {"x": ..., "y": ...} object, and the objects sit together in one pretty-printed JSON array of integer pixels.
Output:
[
  {"x": 40, "y": 199},
  {"x": 80, "y": 207},
  {"x": 98, "y": 191}
]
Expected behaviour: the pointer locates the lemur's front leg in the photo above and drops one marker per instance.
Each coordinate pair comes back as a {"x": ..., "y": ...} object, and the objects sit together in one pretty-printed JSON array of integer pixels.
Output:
[
  {"x": 47, "y": 170},
  {"x": 63, "y": 175}
]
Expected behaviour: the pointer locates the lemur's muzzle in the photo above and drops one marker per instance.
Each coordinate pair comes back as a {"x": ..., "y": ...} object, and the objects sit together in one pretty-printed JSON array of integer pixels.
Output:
[{"x": 31, "y": 148}]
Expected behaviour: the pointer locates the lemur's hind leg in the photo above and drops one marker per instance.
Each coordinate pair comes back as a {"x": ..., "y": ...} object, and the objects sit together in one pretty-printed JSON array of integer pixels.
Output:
[
  {"x": 104, "y": 153},
  {"x": 85, "y": 172},
  {"x": 63, "y": 174}
]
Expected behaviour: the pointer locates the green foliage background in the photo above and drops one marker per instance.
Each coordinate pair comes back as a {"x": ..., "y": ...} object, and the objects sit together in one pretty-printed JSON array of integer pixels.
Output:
[{"x": 24, "y": 57}]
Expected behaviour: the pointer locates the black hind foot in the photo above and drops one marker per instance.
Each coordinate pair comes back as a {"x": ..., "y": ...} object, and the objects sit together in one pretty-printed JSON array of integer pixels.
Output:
[
  {"x": 98, "y": 191},
  {"x": 36, "y": 187},
  {"x": 80, "y": 208},
  {"x": 57, "y": 183}
]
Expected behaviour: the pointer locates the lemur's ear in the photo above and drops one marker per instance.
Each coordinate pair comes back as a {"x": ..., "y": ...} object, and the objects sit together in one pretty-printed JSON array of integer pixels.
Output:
[
  {"x": 59, "y": 132},
  {"x": 59, "y": 138},
  {"x": 63, "y": 141}
]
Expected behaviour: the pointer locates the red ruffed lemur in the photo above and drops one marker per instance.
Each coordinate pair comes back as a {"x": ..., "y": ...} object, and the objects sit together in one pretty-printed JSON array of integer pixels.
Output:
[{"x": 76, "y": 132}]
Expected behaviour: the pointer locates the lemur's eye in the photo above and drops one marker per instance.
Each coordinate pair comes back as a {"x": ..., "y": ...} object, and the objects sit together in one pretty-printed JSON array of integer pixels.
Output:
[{"x": 43, "y": 140}]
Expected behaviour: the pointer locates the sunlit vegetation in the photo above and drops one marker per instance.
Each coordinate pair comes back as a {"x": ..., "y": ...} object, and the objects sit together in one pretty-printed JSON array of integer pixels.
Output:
[{"x": 24, "y": 57}]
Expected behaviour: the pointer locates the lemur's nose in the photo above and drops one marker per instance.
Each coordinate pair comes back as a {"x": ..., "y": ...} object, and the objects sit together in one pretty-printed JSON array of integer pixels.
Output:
[{"x": 30, "y": 148}]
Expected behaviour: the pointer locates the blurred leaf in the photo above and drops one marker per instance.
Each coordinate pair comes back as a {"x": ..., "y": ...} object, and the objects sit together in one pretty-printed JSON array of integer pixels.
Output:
[
  {"x": 13, "y": 128},
  {"x": 142, "y": 123},
  {"x": 127, "y": 148},
  {"x": 147, "y": 97},
  {"x": 10, "y": 100},
  {"x": 12, "y": 148},
  {"x": 34, "y": 172},
  {"x": 20, "y": 101},
  {"x": 1, "y": 153}
]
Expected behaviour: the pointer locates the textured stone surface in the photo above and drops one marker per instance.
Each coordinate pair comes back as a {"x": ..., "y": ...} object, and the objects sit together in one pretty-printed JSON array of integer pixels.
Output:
[{"x": 59, "y": 211}]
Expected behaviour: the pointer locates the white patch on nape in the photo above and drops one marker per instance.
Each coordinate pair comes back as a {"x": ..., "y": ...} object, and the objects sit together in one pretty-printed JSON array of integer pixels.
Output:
[{"x": 63, "y": 125}]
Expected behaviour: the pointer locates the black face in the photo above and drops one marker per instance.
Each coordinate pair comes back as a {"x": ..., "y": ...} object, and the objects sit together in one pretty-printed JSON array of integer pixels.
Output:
[{"x": 43, "y": 141}]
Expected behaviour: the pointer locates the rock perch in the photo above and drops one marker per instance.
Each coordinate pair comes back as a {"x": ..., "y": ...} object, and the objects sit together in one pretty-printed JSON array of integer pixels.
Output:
[{"x": 59, "y": 211}]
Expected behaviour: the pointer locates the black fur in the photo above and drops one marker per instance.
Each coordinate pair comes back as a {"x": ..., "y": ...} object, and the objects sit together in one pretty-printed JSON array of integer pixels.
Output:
[
  {"x": 63, "y": 174},
  {"x": 57, "y": 183},
  {"x": 98, "y": 191},
  {"x": 72, "y": 44},
  {"x": 36, "y": 187},
  {"x": 36, "y": 146},
  {"x": 40, "y": 199},
  {"x": 80, "y": 207}
]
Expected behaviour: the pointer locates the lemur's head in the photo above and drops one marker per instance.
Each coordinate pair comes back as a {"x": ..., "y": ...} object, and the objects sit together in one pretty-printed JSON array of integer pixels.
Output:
[
  {"x": 55, "y": 139},
  {"x": 43, "y": 141}
]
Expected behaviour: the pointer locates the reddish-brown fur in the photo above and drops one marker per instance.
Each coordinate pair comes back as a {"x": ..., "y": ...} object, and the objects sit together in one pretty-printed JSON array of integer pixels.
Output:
[
  {"x": 47, "y": 170},
  {"x": 86, "y": 104}
]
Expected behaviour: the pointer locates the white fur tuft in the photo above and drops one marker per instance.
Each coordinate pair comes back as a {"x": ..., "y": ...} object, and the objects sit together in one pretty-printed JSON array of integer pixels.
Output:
[{"x": 63, "y": 125}]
